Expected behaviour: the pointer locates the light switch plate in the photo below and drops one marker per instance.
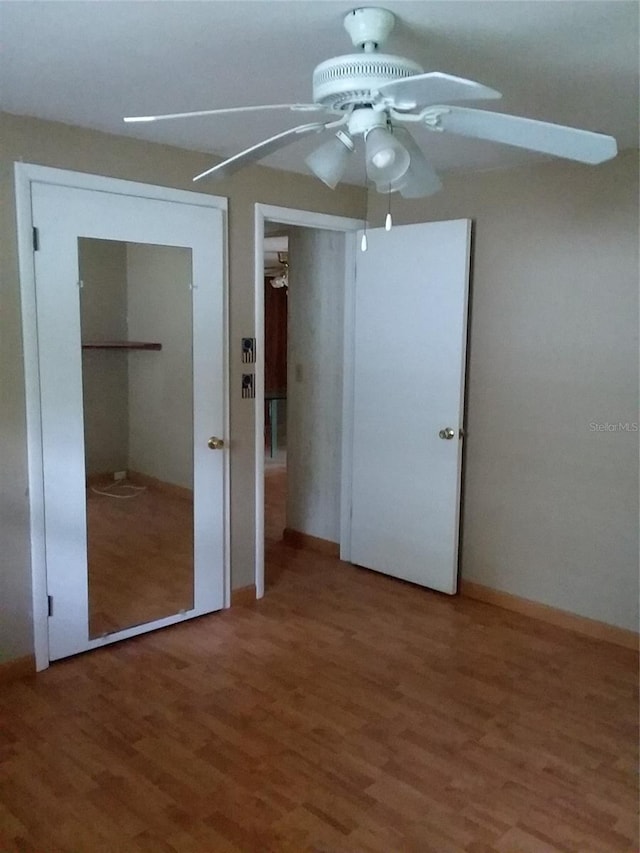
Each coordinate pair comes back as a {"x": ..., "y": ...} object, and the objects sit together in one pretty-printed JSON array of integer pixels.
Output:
[
  {"x": 248, "y": 350},
  {"x": 248, "y": 386}
]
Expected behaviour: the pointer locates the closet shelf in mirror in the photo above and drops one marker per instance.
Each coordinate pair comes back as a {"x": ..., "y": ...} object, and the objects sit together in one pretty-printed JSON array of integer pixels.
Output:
[{"x": 121, "y": 345}]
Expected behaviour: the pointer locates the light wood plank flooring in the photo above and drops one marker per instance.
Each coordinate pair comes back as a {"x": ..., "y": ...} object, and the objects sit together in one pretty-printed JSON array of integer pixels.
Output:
[
  {"x": 275, "y": 504},
  {"x": 345, "y": 712}
]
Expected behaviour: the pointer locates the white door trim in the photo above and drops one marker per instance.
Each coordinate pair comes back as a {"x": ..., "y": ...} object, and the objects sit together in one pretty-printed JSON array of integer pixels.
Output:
[
  {"x": 305, "y": 219},
  {"x": 25, "y": 175},
  {"x": 348, "y": 388}
]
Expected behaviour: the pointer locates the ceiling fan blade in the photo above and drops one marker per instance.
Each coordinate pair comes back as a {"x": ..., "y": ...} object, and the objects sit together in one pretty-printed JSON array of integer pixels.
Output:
[
  {"x": 262, "y": 149},
  {"x": 569, "y": 142},
  {"x": 226, "y": 110},
  {"x": 420, "y": 179},
  {"x": 422, "y": 90}
]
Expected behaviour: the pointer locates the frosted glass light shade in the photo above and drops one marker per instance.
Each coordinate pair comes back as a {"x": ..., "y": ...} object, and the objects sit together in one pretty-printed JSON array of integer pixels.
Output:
[
  {"x": 387, "y": 159},
  {"x": 329, "y": 161},
  {"x": 419, "y": 180}
]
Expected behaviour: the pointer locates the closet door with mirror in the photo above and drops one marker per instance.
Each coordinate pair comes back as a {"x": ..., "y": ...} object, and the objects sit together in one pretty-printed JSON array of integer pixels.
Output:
[{"x": 130, "y": 310}]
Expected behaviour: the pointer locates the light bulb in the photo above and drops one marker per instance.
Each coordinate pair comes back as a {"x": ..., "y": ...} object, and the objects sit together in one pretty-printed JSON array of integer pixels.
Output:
[
  {"x": 383, "y": 159},
  {"x": 388, "y": 222},
  {"x": 387, "y": 159},
  {"x": 363, "y": 242}
]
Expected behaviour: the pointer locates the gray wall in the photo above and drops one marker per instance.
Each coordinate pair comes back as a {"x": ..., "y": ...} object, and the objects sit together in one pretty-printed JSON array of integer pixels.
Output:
[
  {"x": 551, "y": 506},
  {"x": 314, "y": 381},
  {"x": 67, "y": 147},
  {"x": 161, "y": 382},
  {"x": 103, "y": 310}
]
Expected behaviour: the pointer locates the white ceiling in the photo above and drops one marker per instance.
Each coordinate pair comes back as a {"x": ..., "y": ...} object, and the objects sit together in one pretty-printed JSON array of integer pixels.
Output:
[{"x": 90, "y": 63}]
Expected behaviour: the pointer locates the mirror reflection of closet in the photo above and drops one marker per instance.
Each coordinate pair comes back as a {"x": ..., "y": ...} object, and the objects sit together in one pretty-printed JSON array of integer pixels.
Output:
[{"x": 136, "y": 330}]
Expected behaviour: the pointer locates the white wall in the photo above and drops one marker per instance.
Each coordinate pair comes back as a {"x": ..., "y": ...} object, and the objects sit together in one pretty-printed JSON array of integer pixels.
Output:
[
  {"x": 551, "y": 506},
  {"x": 314, "y": 381},
  {"x": 160, "y": 382}
]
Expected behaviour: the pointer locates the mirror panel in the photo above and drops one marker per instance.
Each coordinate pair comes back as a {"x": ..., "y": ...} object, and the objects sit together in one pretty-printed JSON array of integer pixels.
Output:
[{"x": 137, "y": 369}]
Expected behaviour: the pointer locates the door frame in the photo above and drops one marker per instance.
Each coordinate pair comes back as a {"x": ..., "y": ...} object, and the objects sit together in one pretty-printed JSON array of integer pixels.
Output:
[
  {"x": 26, "y": 174},
  {"x": 303, "y": 219}
]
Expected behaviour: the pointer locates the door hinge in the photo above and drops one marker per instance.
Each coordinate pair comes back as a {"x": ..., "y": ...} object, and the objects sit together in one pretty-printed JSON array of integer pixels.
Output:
[
  {"x": 49, "y": 605},
  {"x": 36, "y": 239}
]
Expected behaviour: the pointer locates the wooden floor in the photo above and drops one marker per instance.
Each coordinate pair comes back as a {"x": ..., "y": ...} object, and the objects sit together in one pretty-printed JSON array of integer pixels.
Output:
[
  {"x": 345, "y": 712},
  {"x": 275, "y": 504}
]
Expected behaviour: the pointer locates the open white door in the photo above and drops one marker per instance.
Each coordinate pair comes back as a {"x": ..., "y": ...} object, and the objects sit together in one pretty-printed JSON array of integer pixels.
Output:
[
  {"x": 404, "y": 409},
  {"x": 174, "y": 251}
]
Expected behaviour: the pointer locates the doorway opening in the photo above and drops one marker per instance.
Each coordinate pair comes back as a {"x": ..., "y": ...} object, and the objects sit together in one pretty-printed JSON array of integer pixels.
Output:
[
  {"x": 304, "y": 321},
  {"x": 400, "y": 378},
  {"x": 299, "y": 390},
  {"x": 276, "y": 299}
]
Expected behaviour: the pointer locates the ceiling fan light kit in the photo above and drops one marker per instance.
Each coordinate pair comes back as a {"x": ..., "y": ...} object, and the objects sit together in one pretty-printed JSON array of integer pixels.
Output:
[
  {"x": 419, "y": 180},
  {"x": 375, "y": 96},
  {"x": 387, "y": 159}
]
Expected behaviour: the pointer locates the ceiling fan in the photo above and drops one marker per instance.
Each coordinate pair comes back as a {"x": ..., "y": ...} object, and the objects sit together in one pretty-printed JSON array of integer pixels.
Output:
[{"x": 374, "y": 95}]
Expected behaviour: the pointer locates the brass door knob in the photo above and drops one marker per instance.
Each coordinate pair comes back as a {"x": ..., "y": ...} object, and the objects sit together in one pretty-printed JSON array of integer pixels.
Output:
[
  {"x": 215, "y": 443},
  {"x": 447, "y": 433}
]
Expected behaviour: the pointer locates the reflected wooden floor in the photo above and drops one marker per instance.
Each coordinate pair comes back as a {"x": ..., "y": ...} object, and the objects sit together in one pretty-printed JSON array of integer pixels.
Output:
[
  {"x": 140, "y": 555},
  {"x": 346, "y": 712},
  {"x": 140, "y": 552}
]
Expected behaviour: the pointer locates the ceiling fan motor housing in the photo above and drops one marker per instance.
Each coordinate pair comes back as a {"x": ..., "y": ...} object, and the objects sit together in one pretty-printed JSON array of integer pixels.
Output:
[{"x": 351, "y": 80}]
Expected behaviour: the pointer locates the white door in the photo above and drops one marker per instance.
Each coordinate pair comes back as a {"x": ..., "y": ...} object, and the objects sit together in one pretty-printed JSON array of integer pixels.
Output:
[
  {"x": 185, "y": 244},
  {"x": 405, "y": 421}
]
